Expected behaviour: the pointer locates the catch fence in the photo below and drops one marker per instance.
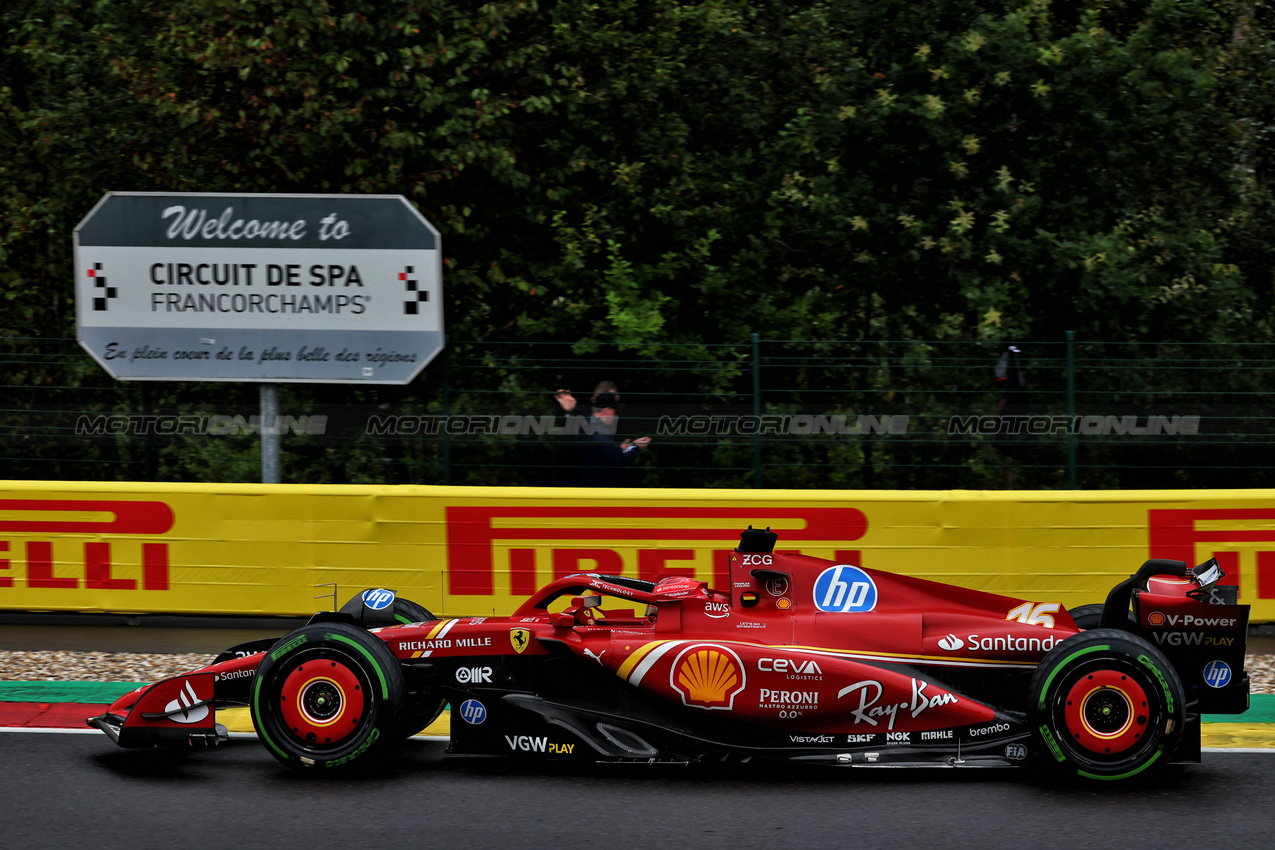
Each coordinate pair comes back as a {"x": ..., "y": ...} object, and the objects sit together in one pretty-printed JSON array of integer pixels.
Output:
[{"x": 801, "y": 414}]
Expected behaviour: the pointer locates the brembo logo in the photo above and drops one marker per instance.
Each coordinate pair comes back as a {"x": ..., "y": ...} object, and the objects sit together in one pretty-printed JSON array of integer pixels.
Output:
[
  {"x": 580, "y": 539},
  {"x": 180, "y": 710},
  {"x": 99, "y": 519}
]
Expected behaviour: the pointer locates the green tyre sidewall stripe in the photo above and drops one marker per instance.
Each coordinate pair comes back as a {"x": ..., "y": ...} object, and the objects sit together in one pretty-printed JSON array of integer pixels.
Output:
[
  {"x": 259, "y": 720},
  {"x": 1143, "y": 664},
  {"x": 385, "y": 686},
  {"x": 1087, "y": 775},
  {"x": 259, "y": 715},
  {"x": 1049, "y": 680},
  {"x": 1164, "y": 685}
]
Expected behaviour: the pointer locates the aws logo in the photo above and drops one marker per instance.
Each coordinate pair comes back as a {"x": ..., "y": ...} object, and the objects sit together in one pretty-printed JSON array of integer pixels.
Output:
[{"x": 708, "y": 676}]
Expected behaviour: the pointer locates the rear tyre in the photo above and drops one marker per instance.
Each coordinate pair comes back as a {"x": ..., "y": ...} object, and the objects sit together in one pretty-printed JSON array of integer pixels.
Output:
[
  {"x": 329, "y": 695},
  {"x": 1106, "y": 704},
  {"x": 1090, "y": 616}
]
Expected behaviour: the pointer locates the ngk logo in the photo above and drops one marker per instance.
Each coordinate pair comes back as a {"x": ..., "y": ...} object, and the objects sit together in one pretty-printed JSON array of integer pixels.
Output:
[
  {"x": 474, "y": 531},
  {"x": 35, "y": 563},
  {"x": 1177, "y": 534}
]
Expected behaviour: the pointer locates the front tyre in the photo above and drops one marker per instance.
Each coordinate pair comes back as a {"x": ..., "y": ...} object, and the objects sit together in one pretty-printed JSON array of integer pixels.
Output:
[
  {"x": 1106, "y": 704},
  {"x": 328, "y": 695}
]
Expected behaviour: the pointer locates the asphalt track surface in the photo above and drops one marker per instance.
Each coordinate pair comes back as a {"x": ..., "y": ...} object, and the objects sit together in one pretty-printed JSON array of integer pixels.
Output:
[{"x": 66, "y": 790}]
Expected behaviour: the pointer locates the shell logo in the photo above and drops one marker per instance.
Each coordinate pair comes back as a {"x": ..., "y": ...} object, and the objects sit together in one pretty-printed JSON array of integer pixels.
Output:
[
  {"x": 1155, "y": 618},
  {"x": 708, "y": 677}
]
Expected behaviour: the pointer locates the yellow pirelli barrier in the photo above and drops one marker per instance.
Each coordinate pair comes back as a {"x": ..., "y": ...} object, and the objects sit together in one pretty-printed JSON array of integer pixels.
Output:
[{"x": 272, "y": 549}]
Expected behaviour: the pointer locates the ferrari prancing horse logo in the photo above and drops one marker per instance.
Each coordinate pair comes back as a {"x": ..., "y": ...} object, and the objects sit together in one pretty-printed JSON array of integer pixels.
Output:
[{"x": 520, "y": 638}]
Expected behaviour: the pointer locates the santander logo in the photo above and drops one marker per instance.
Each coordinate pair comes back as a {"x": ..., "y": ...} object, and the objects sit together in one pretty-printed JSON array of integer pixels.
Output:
[
  {"x": 180, "y": 711},
  {"x": 951, "y": 643}
]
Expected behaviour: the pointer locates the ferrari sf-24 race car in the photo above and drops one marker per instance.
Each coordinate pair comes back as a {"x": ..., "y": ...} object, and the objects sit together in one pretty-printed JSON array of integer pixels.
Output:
[{"x": 800, "y": 659}]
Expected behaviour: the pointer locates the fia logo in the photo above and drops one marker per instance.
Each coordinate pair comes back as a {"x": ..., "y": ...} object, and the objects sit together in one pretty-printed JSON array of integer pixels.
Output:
[
  {"x": 378, "y": 599},
  {"x": 845, "y": 589},
  {"x": 1015, "y": 752},
  {"x": 473, "y": 712}
]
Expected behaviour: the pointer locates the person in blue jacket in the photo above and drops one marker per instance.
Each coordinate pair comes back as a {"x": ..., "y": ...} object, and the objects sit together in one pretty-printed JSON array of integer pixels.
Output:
[{"x": 604, "y": 460}]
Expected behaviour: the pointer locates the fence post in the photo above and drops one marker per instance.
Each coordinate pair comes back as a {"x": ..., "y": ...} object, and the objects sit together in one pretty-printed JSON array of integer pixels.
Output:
[
  {"x": 1071, "y": 410},
  {"x": 270, "y": 434},
  {"x": 447, "y": 413},
  {"x": 757, "y": 411},
  {"x": 146, "y": 437}
]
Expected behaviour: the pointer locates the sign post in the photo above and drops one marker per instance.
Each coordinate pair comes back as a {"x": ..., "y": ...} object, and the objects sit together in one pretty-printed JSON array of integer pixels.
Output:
[{"x": 265, "y": 288}]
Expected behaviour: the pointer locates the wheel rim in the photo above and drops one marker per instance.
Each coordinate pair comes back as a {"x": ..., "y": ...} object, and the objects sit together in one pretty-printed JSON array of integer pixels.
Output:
[
  {"x": 322, "y": 702},
  {"x": 1106, "y": 712}
]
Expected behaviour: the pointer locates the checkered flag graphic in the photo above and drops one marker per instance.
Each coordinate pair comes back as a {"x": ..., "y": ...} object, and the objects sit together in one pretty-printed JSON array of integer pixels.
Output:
[
  {"x": 415, "y": 296},
  {"x": 103, "y": 293}
]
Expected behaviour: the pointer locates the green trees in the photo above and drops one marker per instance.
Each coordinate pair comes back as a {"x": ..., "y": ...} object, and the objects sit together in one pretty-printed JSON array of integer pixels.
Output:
[{"x": 688, "y": 173}]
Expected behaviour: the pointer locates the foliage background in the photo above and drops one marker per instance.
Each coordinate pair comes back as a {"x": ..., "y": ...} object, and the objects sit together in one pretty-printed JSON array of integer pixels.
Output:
[{"x": 653, "y": 182}]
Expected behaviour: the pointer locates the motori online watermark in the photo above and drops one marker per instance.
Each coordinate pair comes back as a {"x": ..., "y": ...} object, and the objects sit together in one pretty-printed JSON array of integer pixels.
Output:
[
  {"x": 783, "y": 424},
  {"x": 216, "y": 425},
  {"x": 665, "y": 426},
  {"x": 1150, "y": 425},
  {"x": 792, "y": 424}
]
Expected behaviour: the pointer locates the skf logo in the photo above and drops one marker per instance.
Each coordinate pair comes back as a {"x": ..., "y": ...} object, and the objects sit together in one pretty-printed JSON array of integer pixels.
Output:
[
  {"x": 97, "y": 518},
  {"x": 473, "y": 531},
  {"x": 708, "y": 676},
  {"x": 519, "y": 639}
]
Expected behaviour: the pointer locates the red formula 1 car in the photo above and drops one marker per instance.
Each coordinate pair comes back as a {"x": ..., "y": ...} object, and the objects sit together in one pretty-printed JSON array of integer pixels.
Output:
[{"x": 800, "y": 659}]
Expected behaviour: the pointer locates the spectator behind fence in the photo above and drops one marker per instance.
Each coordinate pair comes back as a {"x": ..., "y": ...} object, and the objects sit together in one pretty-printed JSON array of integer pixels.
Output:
[{"x": 604, "y": 461}]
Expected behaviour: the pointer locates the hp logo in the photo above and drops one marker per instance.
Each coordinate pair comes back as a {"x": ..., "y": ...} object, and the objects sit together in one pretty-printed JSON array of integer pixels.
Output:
[
  {"x": 473, "y": 712},
  {"x": 845, "y": 589},
  {"x": 378, "y": 599},
  {"x": 1217, "y": 674}
]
